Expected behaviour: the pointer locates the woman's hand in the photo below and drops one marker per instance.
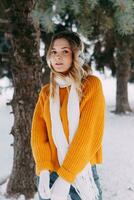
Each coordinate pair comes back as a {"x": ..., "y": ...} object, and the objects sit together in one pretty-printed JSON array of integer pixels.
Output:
[
  {"x": 43, "y": 187},
  {"x": 60, "y": 189}
]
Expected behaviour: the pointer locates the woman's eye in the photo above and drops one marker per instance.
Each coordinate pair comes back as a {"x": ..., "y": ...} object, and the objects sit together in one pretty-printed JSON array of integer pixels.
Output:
[
  {"x": 65, "y": 51},
  {"x": 53, "y": 52}
]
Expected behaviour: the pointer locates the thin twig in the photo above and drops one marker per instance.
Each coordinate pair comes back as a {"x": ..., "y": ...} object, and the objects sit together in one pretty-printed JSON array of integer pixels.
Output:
[{"x": 4, "y": 179}]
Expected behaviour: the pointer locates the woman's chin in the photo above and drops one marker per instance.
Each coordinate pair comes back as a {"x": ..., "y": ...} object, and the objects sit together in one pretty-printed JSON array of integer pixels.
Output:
[{"x": 61, "y": 70}]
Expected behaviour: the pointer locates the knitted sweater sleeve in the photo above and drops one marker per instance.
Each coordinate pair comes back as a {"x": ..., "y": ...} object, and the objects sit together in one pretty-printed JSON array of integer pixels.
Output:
[
  {"x": 39, "y": 139},
  {"x": 88, "y": 137}
]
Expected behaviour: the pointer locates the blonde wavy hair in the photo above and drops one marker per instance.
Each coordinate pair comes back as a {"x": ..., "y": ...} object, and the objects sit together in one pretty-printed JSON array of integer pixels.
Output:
[{"x": 79, "y": 68}]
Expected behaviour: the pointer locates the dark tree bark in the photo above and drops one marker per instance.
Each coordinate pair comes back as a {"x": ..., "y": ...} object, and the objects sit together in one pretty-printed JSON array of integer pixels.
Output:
[
  {"x": 123, "y": 73},
  {"x": 26, "y": 72}
]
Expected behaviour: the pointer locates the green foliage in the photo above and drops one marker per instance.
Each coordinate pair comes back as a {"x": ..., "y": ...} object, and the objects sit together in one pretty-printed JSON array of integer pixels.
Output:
[
  {"x": 107, "y": 14},
  {"x": 51, "y": 12},
  {"x": 45, "y": 15},
  {"x": 124, "y": 16},
  {"x": 60, "y": 6},
  {"x": 92, "y": 3},
  {"x": 47, "y": 20},
  {"x": 75, "y": 7}
]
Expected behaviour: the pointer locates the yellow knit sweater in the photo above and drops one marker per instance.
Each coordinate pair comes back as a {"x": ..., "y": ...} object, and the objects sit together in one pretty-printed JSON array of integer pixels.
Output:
[{"x": 86, "y": 145}]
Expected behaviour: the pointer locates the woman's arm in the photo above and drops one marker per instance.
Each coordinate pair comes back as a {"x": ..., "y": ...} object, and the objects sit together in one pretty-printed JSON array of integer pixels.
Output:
[
  {"x": 88, "y": 137},
  {"x": 39, "y": 139}
]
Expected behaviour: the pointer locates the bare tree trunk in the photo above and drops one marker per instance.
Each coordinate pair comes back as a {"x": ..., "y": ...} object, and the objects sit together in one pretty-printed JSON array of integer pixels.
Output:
[
  {"x": 26, "y": 72},
  {"x": 123, "y": 72}
]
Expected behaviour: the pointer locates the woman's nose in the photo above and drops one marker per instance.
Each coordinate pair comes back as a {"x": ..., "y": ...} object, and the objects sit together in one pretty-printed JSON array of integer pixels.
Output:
[{"x": 58, "y": 56}]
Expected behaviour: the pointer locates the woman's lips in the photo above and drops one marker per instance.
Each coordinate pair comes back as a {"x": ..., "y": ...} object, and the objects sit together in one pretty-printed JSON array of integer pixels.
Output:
[{"x": 58, "y": 64}]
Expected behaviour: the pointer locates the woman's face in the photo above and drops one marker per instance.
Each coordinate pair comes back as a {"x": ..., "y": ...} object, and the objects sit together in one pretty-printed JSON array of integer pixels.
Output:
[{"x": 61, "y": 55}]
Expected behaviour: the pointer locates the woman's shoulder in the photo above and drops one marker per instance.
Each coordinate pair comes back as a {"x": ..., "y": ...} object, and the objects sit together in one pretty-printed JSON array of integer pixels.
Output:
[
  {"x": 92, "y": 81},
  {"x": 91, "y": 88}
]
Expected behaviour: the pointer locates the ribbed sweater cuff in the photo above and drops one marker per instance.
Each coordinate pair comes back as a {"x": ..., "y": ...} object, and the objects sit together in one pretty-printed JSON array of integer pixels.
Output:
[
  {"x": 44, "y": 166},
  {"x": 68, "y": 176}
]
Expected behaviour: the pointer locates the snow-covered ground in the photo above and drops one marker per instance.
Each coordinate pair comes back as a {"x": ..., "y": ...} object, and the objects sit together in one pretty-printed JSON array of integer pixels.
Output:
[{"x": 116, "y": 173}]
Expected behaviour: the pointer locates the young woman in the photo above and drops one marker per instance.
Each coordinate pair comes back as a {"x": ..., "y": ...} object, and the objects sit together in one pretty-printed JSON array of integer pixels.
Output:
[{"x": 67, "y": 126}]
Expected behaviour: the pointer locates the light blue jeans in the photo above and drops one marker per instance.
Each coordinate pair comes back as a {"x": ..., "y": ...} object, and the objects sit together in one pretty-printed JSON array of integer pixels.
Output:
[{"x": 74, "y": 195}]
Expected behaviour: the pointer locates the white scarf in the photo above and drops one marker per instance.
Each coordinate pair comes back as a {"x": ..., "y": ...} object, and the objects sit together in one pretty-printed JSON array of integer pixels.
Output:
[{"x": 84, "y": 182}]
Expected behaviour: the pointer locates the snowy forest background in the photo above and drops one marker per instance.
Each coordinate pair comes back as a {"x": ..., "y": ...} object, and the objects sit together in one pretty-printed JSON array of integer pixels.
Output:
[{"x": 107, "y": 29}]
